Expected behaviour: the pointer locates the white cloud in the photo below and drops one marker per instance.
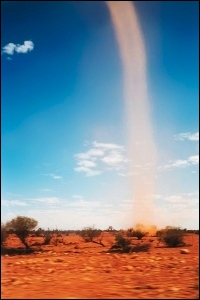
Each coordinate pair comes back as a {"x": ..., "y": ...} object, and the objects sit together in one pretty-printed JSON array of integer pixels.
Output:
[
  {"x": 180, "y": 163},
  {"x": 13, "y": 203},
  {"x": 83, "y": 203},
  {"x": 27, "y": 46},
  {"x": 175, "y": 209},
  {"x": 10, "y": 48},
  {"x": 77, "y": 196},
  {"x": 128, "y": 174},
  {"x": 194, "y": 159},
  {"x": 184, "y": 200},
  {"x": 99, "y": 156},
  {"x": 45, "y": 190},
  {"x": 105, "y": 146},
  {"x": 175, "y": 199},
  {"x": 54, "y": 176},
  {"x": 46, "y": 200},
  {"x": 187, "y": 136},
  {"x": 88, "y": 171},
  {"x": 114, "y": 159},
  {"x": 90, "y": 154},
  {"x": 86, "y": 163}
]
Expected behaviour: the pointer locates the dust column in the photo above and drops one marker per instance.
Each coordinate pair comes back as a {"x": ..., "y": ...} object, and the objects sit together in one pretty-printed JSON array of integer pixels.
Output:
[{"x": 140, "y": 144}]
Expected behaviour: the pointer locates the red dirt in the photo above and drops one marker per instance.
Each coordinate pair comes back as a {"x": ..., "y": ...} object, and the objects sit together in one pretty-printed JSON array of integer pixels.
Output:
[{"x": 79, "y": 270}]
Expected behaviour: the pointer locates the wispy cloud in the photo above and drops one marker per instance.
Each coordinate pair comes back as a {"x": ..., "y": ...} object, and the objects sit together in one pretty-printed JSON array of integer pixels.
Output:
[
  {"x": 77, "y": 196},
  {"x": 181, "y": 163},
  {"x": 176, "y": 209},
  {"x": 45, "y": 190},
  {"x": 82, "y": 203},
  {"x": 11, "y": 48},
  {"x": 13, "y": 203},
  {"x": 88, "y": 172},
  {"x": 45, "y": 200},
  {"x": 114, "y": 159},
  {"x": 91, "y": 154},
  {"x": 101, "y": 155},
  {"x": 54, "y": 176},
  {"x": 184, "y": 200},
  {"x": 187, "y": 136},
  {"x": 86, "y": 163},
  {"x": 128, "y": 174},
  {"x": 105, "y": 146},
  {"x": 194, "y": 160}
]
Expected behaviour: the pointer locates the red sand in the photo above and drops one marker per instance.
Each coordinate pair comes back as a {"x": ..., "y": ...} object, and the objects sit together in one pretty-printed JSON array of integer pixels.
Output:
[{"x": 79, "y": 270}]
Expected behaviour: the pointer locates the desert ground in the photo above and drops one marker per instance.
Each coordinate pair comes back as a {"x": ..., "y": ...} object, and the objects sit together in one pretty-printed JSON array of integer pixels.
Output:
[{"x": 74, "y": 269}]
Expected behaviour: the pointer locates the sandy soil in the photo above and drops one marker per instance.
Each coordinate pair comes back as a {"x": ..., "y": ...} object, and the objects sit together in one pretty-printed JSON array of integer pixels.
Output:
[{"x": 77, "y": 270}]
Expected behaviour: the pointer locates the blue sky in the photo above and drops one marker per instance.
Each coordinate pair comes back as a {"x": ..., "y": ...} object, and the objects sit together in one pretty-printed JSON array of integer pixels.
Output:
[{"x": 64, "y": 155}]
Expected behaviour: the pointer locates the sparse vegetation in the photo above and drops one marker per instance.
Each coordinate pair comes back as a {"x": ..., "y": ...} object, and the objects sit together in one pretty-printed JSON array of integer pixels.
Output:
[
  {"x": 39, "y": 232},
  {"x": 89, "y": 233},
  {"x": 47, "y": 238},
  {"x": 121, "y": 241},
  {"x": 127, "y": 249},
  {"x": 135, "y": 233},
  {"x": 171, "y": 236},
  {"x": 22, "y": 226},
  {"x": 123, "y": 245}
]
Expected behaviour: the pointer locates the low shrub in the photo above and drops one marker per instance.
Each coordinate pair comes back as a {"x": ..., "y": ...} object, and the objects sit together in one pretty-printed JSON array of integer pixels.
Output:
[
  {"x": 135, "y": 233},
  {"x": 141, "y": 248},
  {"x": 172, "y": 236},
  {"x": 89, "y": 233},
  {"x": 47, "y": 239},
  {"x": 121, "y": 241},
  {"x": 123, "y": 245}
]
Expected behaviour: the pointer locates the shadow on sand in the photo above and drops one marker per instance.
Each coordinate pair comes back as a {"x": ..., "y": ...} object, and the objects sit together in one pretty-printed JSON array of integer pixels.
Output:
[{"x": 16, "y": 251}]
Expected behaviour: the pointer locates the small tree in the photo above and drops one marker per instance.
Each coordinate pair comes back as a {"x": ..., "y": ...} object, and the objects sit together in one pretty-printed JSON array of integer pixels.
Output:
[
  {"x": 110, "y": 228},
  {"x": 22, "y": 226}
]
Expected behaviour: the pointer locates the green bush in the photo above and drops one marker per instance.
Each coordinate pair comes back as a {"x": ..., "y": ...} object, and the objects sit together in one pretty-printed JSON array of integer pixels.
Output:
[
  {"x": 47, "y": 238},
  {"x": 89, "y": 233},
  {"x": 172, "y": 236},
  {"x": 121, "y": 241},
  {"x": 123, "y": 245},
  {"x": 136, "y": 233}
]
